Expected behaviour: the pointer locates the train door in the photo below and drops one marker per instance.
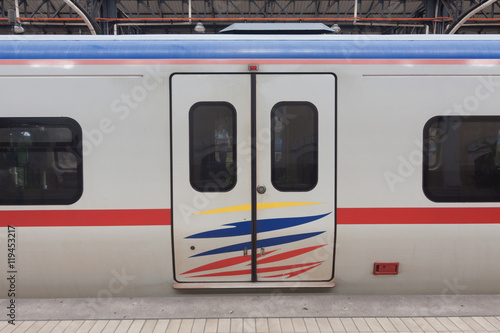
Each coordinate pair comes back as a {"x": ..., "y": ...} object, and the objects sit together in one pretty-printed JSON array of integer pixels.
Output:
[{"x": 253, "y": 174}]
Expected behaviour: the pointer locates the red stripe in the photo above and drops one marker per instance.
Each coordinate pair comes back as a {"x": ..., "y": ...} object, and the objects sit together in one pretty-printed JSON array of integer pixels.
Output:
[
  {"x": 220, "y": 264},
  {"x": 449, "y": 215},
  {"x": 231, "y": 273},
  {"x": 87, "y": 218},
  {"x": 287, "y": 255},
  {"x": 63, "y": 62},
  {"x": 223, "y": 263},
  {"x": 261, "y": 270},
  {"x": 130, "y": 217},
  {"x": 292, "y": 274}
]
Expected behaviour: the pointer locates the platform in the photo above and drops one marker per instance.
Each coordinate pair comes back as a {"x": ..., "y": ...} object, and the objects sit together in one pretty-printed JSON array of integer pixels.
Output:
[{"x": 257, "y": 314}]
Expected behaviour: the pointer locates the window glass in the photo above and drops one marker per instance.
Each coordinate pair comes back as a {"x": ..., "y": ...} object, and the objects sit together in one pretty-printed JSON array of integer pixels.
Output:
[
  {"x": 294, "y": 146},
  {"x": 462, "y": 159},
  {"x": 212, "y": 147},
  {"x": 40, "y": 161}
]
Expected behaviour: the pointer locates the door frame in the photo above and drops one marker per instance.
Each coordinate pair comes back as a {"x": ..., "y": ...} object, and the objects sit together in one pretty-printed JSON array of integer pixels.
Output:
[{"x": 255, "y": 283}]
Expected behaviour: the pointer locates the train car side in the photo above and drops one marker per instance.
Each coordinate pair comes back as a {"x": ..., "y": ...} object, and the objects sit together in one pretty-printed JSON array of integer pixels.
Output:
[
  {"x": 145, "y": 221},
  {"x": 116, "y": 237}
]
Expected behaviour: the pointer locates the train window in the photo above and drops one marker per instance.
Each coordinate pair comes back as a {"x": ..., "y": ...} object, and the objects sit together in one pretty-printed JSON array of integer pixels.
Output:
[
  {"x": 40, "y": 161},
  {"x": 462, "y": 159},
  {"x": 294, "y": 146},
  {"x": 212, "y": 146}
]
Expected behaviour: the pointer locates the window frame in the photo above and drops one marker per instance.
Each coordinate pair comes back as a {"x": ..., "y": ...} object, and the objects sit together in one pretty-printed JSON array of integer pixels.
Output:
[
  {"x": 234, "y": 150},
  {"x": 273, "y": 147},
  {"x": 75, "y": 147},
  {"x": 425, "y": 163}
]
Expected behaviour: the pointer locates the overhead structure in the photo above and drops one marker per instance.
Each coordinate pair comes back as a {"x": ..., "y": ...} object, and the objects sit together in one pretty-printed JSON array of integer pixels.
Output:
[
  {"x": 212, "y": 16},
  {"x": 453, "y": 28},
  {"x": 89, "y": 20}
]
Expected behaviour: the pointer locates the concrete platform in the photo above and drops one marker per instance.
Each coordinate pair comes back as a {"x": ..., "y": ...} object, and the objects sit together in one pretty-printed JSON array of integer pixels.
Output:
[
  {"x": 257, "y": 314},
  {"x": 274, "y": 305},
  {"x": 261, "y": 325}
]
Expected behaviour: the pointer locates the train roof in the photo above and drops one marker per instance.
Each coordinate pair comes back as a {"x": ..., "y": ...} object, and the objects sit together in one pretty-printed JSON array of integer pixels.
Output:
[{"x": 251, "y": 47}]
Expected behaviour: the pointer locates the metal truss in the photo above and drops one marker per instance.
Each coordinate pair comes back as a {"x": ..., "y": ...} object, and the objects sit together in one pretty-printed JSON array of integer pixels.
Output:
[{"x": 180, "y": 16}]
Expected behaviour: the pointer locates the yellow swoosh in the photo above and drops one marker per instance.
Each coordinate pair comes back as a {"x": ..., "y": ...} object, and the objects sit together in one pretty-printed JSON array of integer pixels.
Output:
[{"x": 266, "y": 205}]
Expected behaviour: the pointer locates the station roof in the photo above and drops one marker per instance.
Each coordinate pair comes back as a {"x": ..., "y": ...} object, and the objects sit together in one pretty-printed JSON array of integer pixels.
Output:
[{"x": 181, "y": 16}]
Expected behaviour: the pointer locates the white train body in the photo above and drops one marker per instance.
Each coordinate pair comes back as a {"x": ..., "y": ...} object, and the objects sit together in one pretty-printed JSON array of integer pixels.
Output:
[{"x": 150, "y": 208}]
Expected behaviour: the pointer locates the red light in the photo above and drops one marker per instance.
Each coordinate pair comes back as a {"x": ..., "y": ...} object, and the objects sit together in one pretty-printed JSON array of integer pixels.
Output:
[{"x": 253, "y": 67}]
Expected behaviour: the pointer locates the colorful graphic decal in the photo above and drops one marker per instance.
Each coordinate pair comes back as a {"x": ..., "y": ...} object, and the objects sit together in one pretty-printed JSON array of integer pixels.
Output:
[{"x": 239, "y": 265}]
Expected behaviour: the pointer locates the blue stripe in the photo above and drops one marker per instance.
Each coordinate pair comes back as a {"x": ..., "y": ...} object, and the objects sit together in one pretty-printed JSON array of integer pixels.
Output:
[
  {"x": 244, "y": 228},
  {"x": 249, "y": 49},
  {"x": 260, "y": 243},
  {"x": 278, "y": 224},
  {"x": 239, "y": 229}
]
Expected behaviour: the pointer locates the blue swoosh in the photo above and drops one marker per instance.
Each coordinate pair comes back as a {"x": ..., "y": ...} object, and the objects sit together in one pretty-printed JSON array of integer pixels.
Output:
[
  {"x": 245, "y": 228},
  {"x": 260, "y": 243}
]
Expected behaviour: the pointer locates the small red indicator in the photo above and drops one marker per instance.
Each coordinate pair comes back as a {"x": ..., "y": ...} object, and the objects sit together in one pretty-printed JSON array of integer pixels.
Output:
[
  {"x": 386, "y": 268},
  {"x": 253, "y": 67}
]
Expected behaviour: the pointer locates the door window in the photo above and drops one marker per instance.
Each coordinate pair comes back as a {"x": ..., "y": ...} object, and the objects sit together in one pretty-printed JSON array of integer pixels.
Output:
[
  {"x": 294, "y": 149},
  {"x": 212, "y": 146}
]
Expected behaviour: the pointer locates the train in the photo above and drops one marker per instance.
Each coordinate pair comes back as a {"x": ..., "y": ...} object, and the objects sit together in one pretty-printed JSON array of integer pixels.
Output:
[{"x": 140, "y": 166}]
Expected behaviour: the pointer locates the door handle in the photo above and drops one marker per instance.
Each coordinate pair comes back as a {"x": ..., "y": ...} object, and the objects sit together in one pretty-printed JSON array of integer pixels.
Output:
[
  {"x": 262, "y": 251},
  {"x": 245, "y": 252}
]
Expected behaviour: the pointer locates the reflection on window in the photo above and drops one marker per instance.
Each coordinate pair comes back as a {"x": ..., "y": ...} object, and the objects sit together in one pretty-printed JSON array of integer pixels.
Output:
[
  {"x": 294, "y": 149},
  {"x": 462, "y": 159},
  {"x": 212, "y": 147},
  {"x": 40, "y": 161}
]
